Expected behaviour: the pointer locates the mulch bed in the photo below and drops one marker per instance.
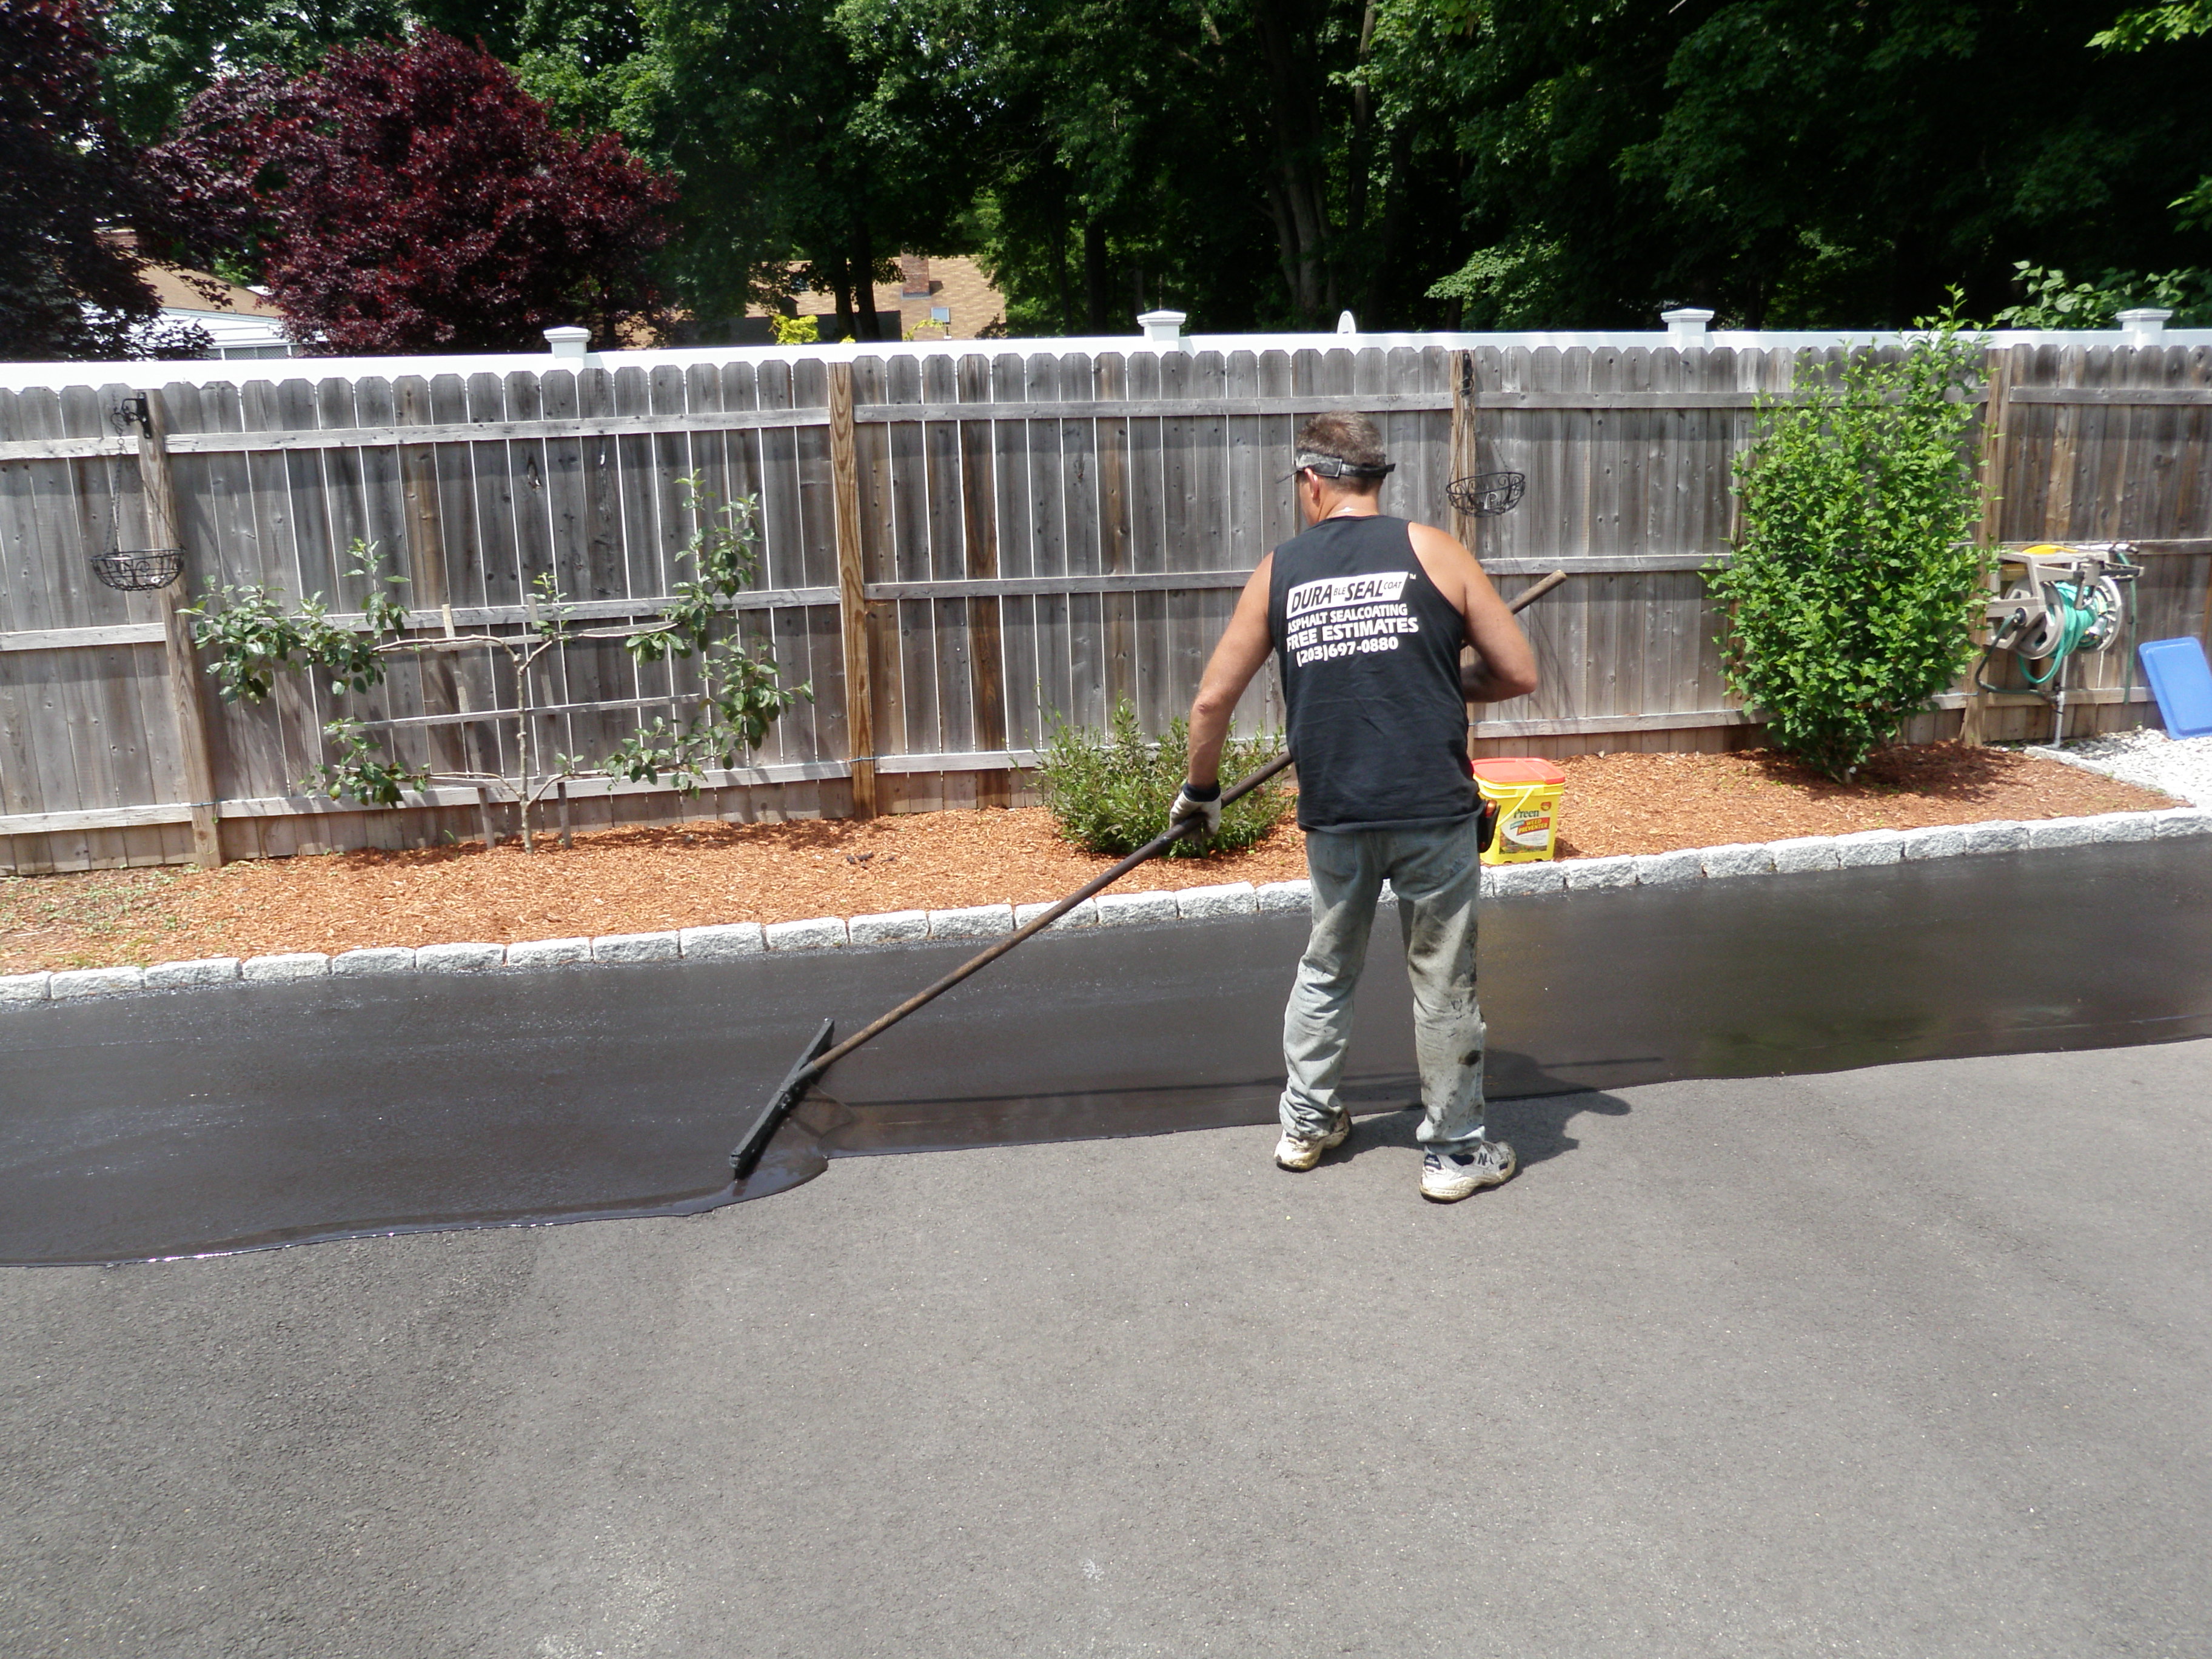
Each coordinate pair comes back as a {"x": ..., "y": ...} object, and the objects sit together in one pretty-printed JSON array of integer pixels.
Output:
[{"x": 625, "y": 881}]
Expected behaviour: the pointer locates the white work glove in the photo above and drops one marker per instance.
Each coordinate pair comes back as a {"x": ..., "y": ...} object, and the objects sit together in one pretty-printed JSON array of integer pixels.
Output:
[{"x": 1192, "y": 802}]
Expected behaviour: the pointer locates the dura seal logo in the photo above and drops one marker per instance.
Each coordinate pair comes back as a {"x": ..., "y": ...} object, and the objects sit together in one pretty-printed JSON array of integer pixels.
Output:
[{"x": 1346, "y": 616}]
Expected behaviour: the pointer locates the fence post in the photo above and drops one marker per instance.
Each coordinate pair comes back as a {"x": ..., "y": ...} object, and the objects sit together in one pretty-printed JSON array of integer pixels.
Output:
[
  {"x": 979, "y": 528},
  {"x": 1465, "y": 462},
  {"x": 1996, "y": 416},
  {"x": 164, "y": 528},
  {"x": 852, "y": 591}
]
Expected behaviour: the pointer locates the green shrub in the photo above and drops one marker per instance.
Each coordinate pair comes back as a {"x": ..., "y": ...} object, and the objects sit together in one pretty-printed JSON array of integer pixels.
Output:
[
  {"x": 1110, "y": 791},
  {"x": 1853, "y": 593}
]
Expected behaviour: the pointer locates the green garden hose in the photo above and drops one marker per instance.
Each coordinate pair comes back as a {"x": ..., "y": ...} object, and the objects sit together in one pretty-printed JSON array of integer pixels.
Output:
[{"x": 2078, "y": 613}]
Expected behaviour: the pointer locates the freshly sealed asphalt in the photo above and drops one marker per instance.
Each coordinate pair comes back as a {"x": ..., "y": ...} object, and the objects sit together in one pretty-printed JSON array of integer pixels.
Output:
[
  {"x": 190, "y": 1121},
  {"x": 1910, "y": 1361},
  {"x": 1906, "y": 1360}
]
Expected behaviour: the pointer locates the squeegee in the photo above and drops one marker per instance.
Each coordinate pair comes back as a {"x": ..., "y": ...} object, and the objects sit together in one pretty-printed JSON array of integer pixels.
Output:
[{"x": 820, "y": 1055}]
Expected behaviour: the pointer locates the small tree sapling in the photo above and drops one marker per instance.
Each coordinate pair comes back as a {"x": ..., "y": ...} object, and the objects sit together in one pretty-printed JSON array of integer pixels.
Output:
[{"x": 254, "y": 638}]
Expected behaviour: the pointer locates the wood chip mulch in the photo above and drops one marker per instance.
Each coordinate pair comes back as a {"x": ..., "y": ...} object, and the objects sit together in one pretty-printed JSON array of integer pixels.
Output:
[
  {"x": 642, "y": 880},
  {"x": 1634, "y": 803}
]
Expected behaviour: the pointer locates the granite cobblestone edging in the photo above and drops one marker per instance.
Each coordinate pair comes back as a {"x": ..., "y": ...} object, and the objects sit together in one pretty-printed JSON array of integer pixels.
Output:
[{"x": 729, "y": 942}]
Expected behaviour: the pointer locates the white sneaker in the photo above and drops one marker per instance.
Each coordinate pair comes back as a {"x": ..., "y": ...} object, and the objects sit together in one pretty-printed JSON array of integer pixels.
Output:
[
  {"x": 1447, "y": 1178},
  {"x": 1295, "y": 1151}
]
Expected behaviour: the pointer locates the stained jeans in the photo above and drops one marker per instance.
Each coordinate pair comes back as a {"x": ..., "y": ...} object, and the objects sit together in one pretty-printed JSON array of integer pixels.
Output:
[{"x": 1437, "y": 873}]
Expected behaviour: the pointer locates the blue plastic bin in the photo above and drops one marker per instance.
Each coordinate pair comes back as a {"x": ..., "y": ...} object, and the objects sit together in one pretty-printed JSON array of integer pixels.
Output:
[{"x": 2181, "y": 680}]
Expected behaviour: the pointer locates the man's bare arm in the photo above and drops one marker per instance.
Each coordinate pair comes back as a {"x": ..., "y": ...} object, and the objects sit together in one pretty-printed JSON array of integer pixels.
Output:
[
  {"x": 1478, "y": 685},
  {"x": 1241, "y": 654},
  {"x": 1505, "y": 663}
]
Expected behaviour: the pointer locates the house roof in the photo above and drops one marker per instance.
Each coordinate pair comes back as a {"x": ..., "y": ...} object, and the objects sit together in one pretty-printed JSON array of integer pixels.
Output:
[
  {"x": 198, "y": 293},
  {"x": 927, "y": 282},
  {"x": 181, "y": 289}
]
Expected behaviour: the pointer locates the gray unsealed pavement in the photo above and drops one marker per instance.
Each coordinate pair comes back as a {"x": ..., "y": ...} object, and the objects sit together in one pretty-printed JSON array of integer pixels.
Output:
[{"x": 1910, "y": 1361}]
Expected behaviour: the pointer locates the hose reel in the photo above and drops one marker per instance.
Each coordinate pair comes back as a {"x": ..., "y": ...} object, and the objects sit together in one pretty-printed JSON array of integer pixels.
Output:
[{"x": 2055, "y": 603}]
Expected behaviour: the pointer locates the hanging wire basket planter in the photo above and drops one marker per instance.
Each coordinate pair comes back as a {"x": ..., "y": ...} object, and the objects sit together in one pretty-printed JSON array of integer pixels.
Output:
[
  {"x": 139, "y": 572},
  {"x": 1486, "y": 495},
  {"x": 133, "y": 570}
]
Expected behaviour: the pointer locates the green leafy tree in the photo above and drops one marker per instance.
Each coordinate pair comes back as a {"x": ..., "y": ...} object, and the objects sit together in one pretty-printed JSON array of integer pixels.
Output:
[
  {"x": 1264, "y": 163},
  {"x": 165, "y": 52},
  {"x": 1234, "y": 158},
  {"x": 1852, "y": 591},
  {"x": 767, "y": 112},
  {"x": 162, "y": 53},
  {"x": 2185, "y": 19},
  {"x": 1792, "y": 162},
  {"x": 593, "y": 63},
  {"x": 2149, "y": 25}
]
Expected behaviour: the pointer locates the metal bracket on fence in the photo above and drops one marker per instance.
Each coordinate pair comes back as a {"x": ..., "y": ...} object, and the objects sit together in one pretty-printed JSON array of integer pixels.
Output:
[{"x": 131, "y": 414}]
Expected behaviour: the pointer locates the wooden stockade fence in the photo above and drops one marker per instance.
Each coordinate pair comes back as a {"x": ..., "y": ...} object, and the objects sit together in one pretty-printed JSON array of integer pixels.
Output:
[{"x": 957, "y": 551}]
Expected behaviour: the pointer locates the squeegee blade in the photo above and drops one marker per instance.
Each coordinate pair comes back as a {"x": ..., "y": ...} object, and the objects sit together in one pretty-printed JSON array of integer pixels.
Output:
[{"x": 755, "y": 1140}]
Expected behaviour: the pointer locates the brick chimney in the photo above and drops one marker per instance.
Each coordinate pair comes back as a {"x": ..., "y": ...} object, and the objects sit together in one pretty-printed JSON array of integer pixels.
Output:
[{"x": 914, "y": 275}]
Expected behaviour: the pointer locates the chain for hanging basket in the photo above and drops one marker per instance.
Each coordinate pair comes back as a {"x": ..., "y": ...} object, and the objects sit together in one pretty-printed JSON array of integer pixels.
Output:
[
  {"x": 139, "y": 572},
  {"x": 1486, "y": 495}
]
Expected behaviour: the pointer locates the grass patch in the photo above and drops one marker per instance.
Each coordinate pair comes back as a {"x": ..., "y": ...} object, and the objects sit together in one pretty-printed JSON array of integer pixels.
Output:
[{"x": 115, "y": 913}]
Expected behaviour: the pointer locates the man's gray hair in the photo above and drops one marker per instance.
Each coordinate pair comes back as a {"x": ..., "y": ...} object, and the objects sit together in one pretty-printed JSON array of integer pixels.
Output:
[{"x": 1349, "y": 440}]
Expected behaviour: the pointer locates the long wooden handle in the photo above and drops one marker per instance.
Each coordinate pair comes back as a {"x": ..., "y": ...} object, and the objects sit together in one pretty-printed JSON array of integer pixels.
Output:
[
  {"x": 1099, "y": 883},
  {"x": 1036, "y": 925},
  {"x": 1536, "y": 591}
]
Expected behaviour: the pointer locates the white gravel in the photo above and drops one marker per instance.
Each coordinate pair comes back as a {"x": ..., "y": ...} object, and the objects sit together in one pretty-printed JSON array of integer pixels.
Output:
[{"x": 2182, "y": 768}]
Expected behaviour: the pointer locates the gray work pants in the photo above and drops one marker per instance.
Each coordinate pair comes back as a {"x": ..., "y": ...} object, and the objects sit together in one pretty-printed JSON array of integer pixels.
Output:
[{"x": 1437, "y": 873}]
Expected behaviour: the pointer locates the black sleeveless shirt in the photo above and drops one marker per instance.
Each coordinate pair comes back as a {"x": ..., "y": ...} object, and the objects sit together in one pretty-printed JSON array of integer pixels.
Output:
[{"x": 1370, "y": 656}]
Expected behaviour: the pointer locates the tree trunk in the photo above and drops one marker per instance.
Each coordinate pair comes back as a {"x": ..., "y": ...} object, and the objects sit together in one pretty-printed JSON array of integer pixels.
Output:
[
  {"x": 1363, "y": 124},
  {"x": 1300, "y": 167},
  {"x": 841, "y": 284},
  {"x": 1059, "y": 277},
  {"x": 1094, "y": 275},
  {"x": 863, "y": 282},
  {"x": 1286, "y": 237},
  {"x": 1377, "y": 303}
]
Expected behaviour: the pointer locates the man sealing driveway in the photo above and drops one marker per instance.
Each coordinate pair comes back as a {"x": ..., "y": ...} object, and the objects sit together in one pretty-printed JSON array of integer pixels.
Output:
[{"x": 1366, "y": 615}]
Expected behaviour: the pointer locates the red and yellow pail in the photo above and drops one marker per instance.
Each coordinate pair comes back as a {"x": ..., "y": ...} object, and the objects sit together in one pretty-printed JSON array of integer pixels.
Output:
[{"x": 1528, "y": 794}]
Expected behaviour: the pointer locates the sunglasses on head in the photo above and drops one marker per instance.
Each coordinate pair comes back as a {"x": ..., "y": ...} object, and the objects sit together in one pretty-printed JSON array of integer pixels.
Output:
[{"x": 1335, "y": 466}]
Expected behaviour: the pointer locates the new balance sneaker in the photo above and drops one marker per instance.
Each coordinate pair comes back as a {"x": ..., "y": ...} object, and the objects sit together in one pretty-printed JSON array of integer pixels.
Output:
[
  {"x": 1295, "y": 1151},
  {"x": 1449, "y": 1177}
]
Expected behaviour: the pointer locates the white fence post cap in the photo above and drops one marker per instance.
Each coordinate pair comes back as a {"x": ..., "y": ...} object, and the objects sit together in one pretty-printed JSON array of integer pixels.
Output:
[
  {"x": 1163, "y": 328},
  {"x": 2144, "y": 324},
  {"x": 1346, "y": 323},
  {"x": 570, "y": 341},
  {"x": 1685, "y": 324}
]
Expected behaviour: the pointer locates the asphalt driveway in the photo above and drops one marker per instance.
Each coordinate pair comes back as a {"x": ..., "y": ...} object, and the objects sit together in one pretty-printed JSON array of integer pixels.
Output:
[{"x": 1903, "y": 1361}]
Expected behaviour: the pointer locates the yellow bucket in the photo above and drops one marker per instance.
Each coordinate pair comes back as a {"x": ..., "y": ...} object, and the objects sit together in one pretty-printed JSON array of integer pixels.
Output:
[{"x": 1528, "y": 794}]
